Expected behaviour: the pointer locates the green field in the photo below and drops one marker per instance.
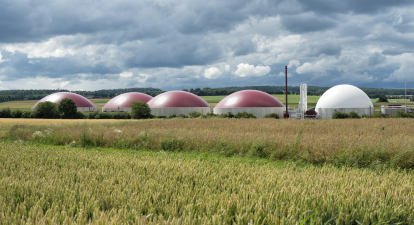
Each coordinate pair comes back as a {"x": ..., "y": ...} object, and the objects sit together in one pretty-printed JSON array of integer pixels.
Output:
[{"x": 96, "y": 186}]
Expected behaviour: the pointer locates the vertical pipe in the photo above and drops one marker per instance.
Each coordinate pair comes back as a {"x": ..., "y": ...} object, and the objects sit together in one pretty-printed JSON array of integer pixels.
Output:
[{"x": 287, "y": 113}]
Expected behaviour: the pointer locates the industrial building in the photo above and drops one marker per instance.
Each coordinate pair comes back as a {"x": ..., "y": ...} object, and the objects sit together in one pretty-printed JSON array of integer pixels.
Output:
[
  {"x": 83, "y": 104},
  {"x": 257, "y": 102},
  {"x": 178, "y": 102},
  {"x": 344, "y": 98},
  {"x": 122, "y": 103}
]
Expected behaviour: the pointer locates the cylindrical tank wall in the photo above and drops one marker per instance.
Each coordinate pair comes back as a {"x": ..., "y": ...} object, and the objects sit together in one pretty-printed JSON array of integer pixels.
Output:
[
  {"x": 259, "y": 112},
  {"x": 179, "y": 110}
]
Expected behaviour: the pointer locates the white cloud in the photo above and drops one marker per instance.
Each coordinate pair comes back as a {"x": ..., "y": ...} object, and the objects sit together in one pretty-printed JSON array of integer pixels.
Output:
[
  {"x": 405, "y": 71},
  {"x": 31, "y": 82},
  {"x": 227, "y": 68},
  {"x": 212, "y": 73},
  {"x": 293, "y": 63},
  {"x": 246, "y": 70},
  {"x": 126, "y": 74},
  {"x": 51, "y": 48},
  {"x": 143, "y": 77},
  {"x": 1, "y": 58},
  {"x": 63, "y": 84}
]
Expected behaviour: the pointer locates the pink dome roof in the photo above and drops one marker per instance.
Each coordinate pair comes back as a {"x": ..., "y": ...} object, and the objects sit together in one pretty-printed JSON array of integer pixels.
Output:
[
  {"x": 80, "y": 101},
  {"x": 124, "y": 100},
  {"x": 249, "y": 98},
  {"x": 177, "y": 99}
]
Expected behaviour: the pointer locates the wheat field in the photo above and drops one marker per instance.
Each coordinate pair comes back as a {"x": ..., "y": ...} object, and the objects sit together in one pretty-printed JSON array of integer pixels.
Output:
[
  {"x": 64, "y": 185},
  {"x": 357, "y": 142}
]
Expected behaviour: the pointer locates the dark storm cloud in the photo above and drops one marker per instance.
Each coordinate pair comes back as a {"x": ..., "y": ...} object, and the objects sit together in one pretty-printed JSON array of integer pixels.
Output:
[
  {"x": 331, "y": 40},
  {"x": 306, "y": 23},
  {"x": 351, "y": 6},
  {"x": 174, "y": 52}
]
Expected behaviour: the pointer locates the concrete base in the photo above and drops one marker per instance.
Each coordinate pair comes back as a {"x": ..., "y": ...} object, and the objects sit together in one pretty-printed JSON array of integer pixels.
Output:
[
  {"x": 179, "y": 110},
  {"x": 87, "y": 109},
  {"x": 113, "y": 110},
  {"x": 327, "y": 113},
  {"x": 259, "y": 112}
]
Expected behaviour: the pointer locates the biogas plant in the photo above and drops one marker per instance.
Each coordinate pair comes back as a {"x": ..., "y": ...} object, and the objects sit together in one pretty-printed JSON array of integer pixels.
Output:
[{"x": 341, "y": 98}]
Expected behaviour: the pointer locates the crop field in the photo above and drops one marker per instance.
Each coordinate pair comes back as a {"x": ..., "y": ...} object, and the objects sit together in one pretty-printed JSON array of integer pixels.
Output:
[
  {"x": 66, "y": 185},
  {"x": 357, "y": 142}
]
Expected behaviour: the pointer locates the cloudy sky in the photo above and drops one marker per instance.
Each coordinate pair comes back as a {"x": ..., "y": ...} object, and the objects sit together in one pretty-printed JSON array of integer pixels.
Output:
[{"x": 168, "y": 44}]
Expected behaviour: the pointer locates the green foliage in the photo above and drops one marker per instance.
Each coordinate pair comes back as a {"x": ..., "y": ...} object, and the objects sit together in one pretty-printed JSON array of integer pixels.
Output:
[
  {"x": 16, "y": 113},
  {"x": 27, "y": 114},
  {"x": 375, "y": 115},
  {"x": 353, "y": 115},
  {"x": 172, "y": 116},
  {"x": 244, "y": 115},
  {"x": 272, "y": 115},
  {"x": 182, "y": 116},
  {"x": 402, "y": 114},
  {"x": 194, "y": 114},
  {"x": 172, "y": 145},
  {"x": 67, "y": 108},
  {"x": 227, "y": 115},
  {"x": 5, "y": 113},
  {"x": 140, "y": 110},
  {"x": 46, "y": 110},
  {"x": 382, "y": 98},
  {"x": 121, "y": 115},
  {"x": 161, "y": 117},
  {"x": 339, "y": 115},
  {"x": 80, "y": 115}
]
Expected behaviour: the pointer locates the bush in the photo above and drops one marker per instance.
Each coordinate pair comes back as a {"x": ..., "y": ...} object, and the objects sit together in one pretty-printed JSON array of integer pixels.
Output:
[
  {"x": 353, "y": 115},
  {"x": 227, "y": 115},
  {"x": 194, "y": 115},
  {"x": 80, "y": 115},
  {"x": 16, "y": 113},
  {"x": 92, "y": 115},
  {"x": 182, "y": 116},
  {"x": 5, "y": 113},
  {"x": 140, "y": 110},
  {"x": 402, "y": 114},
  {"x": 376, "y": 115},
  {"x": 47, "y": 110},
  {"x": 172, "y": 116},
  {"x": 27, "y": 114},
  {"x": 161, "y": 117},
  {"x": 339, "y": 115},
  {"x": 67, "y": 108},
  {"x": 122, "y": 115},
  {"x": 272, "y": 115},
  {"x": 244, "y": 115}
]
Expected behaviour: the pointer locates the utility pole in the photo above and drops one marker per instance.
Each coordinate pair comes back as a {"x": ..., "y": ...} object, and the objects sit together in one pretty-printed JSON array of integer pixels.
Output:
[
  {"x": 405, "y": 96},
  {"x": 287, "y": 112}
]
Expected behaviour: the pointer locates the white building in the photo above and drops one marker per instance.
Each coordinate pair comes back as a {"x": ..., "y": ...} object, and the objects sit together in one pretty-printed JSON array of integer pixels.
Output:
[{"x": 344, "y": 98}]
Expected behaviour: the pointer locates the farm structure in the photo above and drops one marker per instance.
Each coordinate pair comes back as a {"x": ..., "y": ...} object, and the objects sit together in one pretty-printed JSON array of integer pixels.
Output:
[
  {"x": 83, "y": 104},
  {"x": 178, "y": 102},
  {"x": 122, "y": 103},
  {"x": 252, "y": 101},
  {"x": 344, "y": 98}
]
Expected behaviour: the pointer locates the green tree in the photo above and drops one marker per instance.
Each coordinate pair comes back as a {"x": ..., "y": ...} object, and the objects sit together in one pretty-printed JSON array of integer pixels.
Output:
[
  {"x": 67, "y": 108},
  {"x": 140, "y": 110},
  {"x": 339, "y": 115},
  {"x": 382, "y": 98},
  {"x": 47, "y": 110}
]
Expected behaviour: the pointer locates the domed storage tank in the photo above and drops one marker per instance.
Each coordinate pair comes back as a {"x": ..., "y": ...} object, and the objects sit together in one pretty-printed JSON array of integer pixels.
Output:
[
  {"x": 83, "y": 104},
  {"x": 177, "y": 102},
  {"x": 257, "y": 102},
  {"x": 122, "y": 103},
  {"x": 344, "y": 98}
]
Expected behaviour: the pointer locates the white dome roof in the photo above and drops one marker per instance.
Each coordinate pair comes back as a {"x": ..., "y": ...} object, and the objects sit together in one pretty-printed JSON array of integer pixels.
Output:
[{"x": 344, "y": 96}]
